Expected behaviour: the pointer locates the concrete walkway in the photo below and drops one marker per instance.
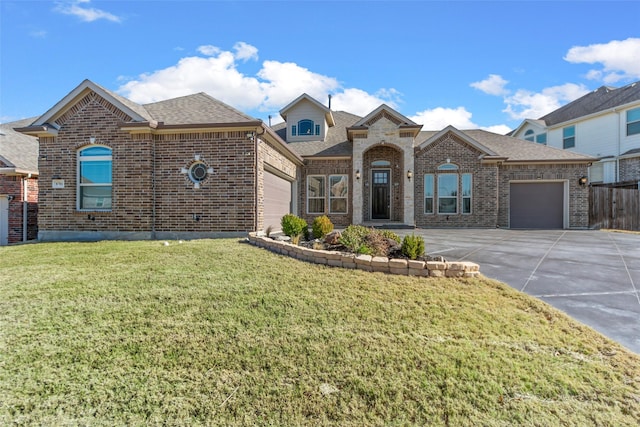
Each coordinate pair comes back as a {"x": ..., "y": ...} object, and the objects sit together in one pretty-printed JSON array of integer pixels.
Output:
[{"x": 593, "y": 276}]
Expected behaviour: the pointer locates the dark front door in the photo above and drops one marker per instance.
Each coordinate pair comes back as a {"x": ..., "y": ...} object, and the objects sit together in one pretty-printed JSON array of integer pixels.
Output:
[{"x": 381, "y": 194}]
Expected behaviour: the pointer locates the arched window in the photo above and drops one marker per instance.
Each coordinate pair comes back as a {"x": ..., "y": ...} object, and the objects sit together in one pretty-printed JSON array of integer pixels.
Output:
[
  {"x": 305, "y": 127},
  {"x": 529, "y": 135},
  {"x": 94, "y": 178}
]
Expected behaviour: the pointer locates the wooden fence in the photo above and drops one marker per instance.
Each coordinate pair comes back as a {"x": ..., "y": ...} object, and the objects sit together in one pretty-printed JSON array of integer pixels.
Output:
[{"x": 615, "y": 208}]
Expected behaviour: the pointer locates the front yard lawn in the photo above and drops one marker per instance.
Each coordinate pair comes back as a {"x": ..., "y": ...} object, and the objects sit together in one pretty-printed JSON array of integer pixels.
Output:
[{"x": 217, "y": 332}]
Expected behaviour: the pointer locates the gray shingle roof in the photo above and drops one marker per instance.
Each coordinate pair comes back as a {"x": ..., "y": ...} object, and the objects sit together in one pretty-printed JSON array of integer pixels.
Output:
[
  {"x": 519, "y": 150},
  {"x": 335, "y": 144},
  {"x": 17, "y": 150},
  {"x": 194, "y": 109},
  {"x": 600, "y": 99}
]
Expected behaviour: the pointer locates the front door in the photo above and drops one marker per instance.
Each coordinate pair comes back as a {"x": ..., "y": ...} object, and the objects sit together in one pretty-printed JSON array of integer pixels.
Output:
[{"x": 381, "y": 194}]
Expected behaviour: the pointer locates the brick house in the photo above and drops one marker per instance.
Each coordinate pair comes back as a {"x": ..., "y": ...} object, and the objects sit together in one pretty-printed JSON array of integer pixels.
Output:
[
  {"x": 195, "y": 167},
  {"x": 182, "y": 168},
  {"x": 383, "y": 168},
  {"x": 18, "y": 184}
]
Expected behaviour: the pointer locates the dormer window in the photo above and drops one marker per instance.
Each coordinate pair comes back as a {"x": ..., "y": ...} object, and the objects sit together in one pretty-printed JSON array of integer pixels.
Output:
[
  {"x": 529, "y": 135},
  {"x": 305, "y": 127}
]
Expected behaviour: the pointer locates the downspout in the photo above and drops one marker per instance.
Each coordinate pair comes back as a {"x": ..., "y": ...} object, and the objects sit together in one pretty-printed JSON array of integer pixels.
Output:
[{"x": 619, "y": 149}]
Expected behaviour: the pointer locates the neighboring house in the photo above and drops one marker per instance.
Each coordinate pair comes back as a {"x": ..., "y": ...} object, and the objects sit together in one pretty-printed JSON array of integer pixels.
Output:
[
  {"x": 383, "y": 169},
  {"x": 18, "y": 184},
  {"x": 604, "y": 124},
  {"x": 195, "y": 167}
]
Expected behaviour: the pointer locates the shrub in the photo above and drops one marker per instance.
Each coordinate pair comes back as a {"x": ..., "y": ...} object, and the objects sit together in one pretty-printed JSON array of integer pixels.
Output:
[
  {"x": 390, "y": 235},
  {"x": 369, "y": 241},
  {"x": 321, "y": 226},
  {"x": 353, "y": 237},
  {"x": 377, "y": 243},
  {"x": 293, "y": 226},
  {"x": 413, "y": 246}
]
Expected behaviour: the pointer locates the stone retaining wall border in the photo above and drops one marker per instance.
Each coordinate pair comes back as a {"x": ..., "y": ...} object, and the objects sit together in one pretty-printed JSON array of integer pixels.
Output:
[{"x": 368, "y": 262}]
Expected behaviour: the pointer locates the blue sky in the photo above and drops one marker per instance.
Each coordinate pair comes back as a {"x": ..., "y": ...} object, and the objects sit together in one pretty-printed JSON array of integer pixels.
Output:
[{"x": 470, "y": 64}]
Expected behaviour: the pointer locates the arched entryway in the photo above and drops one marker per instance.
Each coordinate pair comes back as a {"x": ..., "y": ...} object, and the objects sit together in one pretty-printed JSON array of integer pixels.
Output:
[{"x": 383, "y": 193}]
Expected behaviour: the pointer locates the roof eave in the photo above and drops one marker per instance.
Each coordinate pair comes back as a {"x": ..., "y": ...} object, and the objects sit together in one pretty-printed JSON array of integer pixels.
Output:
[{"x": 38, "y": 131}]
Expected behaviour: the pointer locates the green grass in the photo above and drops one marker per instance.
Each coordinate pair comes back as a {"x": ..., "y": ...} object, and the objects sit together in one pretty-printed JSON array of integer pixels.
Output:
[{"x": 217, "y": 332}]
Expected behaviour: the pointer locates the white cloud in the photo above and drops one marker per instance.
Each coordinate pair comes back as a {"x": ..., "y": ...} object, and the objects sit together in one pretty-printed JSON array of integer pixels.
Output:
[
  {"x": 361, "y": 103},
  {"x": 499, "y": 129},
  {"x": 38, "y": 34},
  {"x": 80, "y": 9},
  {"x": 492, "y": 85},
  {"x": 620, "y": 59},
  {"x": 282, "y": 82},
  {"x": 208, "y": 50},
  {"x": 439, "y": 118},
  {"x": 525, "y": 104},
  {"x": 245, "y": 51}
]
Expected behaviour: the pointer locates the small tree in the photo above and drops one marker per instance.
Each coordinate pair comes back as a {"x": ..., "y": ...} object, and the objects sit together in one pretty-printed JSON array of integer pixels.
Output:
[
  {"x": 321, "y": 226},
  {"x": 293, "y": 226},
  {"x": 413, "y": 246}
]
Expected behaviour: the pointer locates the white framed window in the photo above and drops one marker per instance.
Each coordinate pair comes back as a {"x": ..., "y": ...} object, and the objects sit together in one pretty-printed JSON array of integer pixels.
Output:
[
  {"x": 467, "y": 185},
  {"x": 529, "y": 135},
  {"x": 428, "y": 193},
  {"x": 315, "y": 194},
  {"x": 448, "y": 193},
  {"x": 633, "y": 122},
  {"x": 94, "y": 178},
  {"x": 338, "y": 193},
  {"x": 541, "y": 138},
  {"x": 569, "y": 137}
]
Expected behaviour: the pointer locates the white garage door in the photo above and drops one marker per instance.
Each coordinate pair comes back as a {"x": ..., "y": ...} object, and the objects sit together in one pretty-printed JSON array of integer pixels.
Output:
[
  {"x": 277, "y": 200},
  {"x": 4, "y": 221},
  {"x": 536, "y": 205}
]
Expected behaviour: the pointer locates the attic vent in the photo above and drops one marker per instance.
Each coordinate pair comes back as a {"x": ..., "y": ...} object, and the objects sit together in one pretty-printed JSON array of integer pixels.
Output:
[
  {"x": 406, "y": 134},
  {"x": 360, "y": 135}
]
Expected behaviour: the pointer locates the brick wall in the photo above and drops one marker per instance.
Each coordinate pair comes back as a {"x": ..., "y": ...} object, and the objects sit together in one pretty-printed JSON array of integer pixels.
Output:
[
  {"x": 484, "y": 208},
  {"x": 630, "y": 169},
  {"x": 93, "y": 117},
  {"x": 326, "y": 168},
  {"x": 149, "y": 180},
  {"x": 226, "y": 199},
  {"x": 269, "y": 155},
  {"x": 578, "y": 195}
]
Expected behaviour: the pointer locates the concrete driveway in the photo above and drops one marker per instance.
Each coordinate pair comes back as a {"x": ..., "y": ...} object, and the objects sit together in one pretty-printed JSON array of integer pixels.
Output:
[{"x": 593, "y": 276}]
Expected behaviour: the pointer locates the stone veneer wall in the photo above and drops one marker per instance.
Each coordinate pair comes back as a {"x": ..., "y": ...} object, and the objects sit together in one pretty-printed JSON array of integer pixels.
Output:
[{"x": 368, "y": 262}]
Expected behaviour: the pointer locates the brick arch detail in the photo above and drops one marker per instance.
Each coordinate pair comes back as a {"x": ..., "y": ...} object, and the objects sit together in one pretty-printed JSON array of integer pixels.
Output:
[{"x": 394, "y": 155}]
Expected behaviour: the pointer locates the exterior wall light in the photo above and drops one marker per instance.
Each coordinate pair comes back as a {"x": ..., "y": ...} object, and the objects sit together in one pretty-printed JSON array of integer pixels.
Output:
[
  {"x": 409, "y": 174},
  {"x": 582, "y": 181},
  {"x": 358, "y": 174}
]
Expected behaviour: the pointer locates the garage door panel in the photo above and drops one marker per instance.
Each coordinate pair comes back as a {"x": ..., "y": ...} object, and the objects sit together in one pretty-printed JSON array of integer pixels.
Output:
[
  {"x": 537, "y": 205},
  {"x": 277, "y": 200}
]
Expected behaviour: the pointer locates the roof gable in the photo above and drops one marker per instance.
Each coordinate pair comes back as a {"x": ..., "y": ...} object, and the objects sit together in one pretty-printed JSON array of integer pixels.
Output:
[
  {"x": 387, "y": 112},
  {"x": 462, "y": 136},
  {"x": 305, "y": 97},
  {"x": 136, "y": 112}
]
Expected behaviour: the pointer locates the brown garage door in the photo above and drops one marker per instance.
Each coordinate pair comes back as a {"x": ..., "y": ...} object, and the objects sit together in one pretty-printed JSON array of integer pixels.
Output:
[
  {"x": 277, "y": 200},
  {"x": 537, "y": 205}
]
